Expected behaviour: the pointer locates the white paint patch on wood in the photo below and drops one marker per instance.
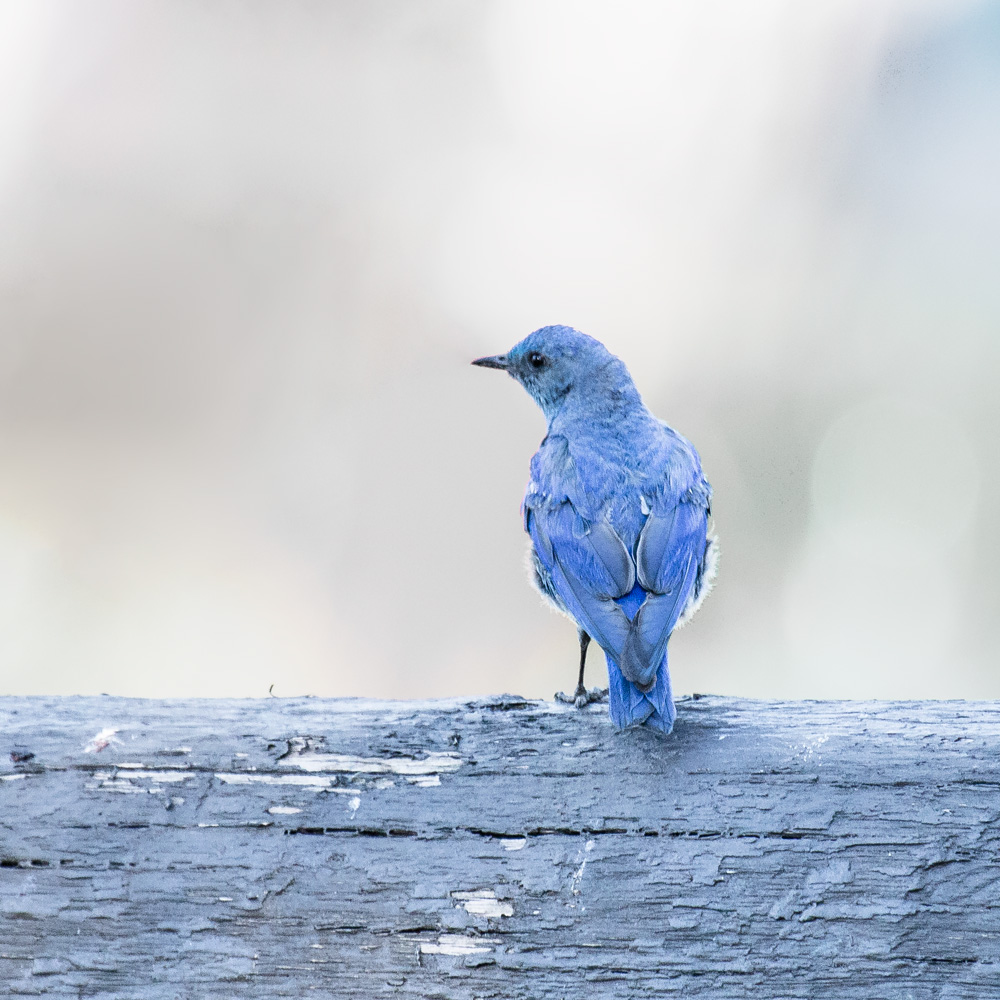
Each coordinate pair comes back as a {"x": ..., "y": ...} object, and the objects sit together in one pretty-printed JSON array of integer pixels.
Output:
[
  {"x": 139, "y": 766},
  {"x": 127, "y": 783},
  {"x": 513, "y": 843},
  {"x": 483, "y": 903},
  {"x": 311, "y": 782},
  {"x": 578, "y": 874},
  {"x": 283, "y": 810},
  {"x": 457, "y": 944},
  {"x": 101, "y": 740},
  {"x": 433, "y": 763},
  {"x": 172, "y": 775}
]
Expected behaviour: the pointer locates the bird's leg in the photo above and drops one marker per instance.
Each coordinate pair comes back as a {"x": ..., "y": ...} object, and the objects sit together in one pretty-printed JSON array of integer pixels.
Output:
[
  {"x": 581, "y": 696},
  {"x": 584, "y": 643}
]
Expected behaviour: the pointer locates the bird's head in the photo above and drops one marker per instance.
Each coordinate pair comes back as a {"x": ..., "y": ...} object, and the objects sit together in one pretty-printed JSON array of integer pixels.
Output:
[{"x": 555, "y": 361}]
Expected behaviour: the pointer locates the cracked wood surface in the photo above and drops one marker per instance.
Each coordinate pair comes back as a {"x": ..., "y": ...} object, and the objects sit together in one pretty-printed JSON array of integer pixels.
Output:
[{"x": 500, "y": 848}]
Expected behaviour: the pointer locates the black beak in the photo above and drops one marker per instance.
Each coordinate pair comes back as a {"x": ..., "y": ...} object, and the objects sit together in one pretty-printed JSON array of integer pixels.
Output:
[{"x": 494, "y": 361}]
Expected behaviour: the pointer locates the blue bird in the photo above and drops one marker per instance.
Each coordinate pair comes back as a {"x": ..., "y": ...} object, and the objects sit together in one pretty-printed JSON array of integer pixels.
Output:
[{"x": 617, "y": 510}]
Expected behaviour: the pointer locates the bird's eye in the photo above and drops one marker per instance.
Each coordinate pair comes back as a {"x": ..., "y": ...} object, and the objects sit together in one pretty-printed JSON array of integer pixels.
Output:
[{"x": 536, "y": 360}]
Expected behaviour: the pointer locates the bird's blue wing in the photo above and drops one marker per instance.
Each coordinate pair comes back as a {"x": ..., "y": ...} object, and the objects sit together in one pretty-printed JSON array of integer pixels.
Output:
[
  {"x": 585, "y": 561},
  {"x": 588, "y": 565},
  {"x": 668, "y": 559},
  {"x": 669, "y": 538}
]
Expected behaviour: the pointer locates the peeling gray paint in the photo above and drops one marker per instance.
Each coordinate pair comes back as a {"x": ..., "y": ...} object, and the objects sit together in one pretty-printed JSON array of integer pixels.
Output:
[{"x": 501, "y": 848}]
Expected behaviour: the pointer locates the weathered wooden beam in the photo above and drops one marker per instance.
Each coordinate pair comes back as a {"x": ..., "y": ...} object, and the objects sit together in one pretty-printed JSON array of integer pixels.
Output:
[{"x": 501, "y": 848}]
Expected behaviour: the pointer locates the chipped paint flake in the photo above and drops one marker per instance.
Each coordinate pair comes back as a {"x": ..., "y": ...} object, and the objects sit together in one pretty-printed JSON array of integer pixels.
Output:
[
  {"x": 457, "y": 944},
  {"x": 161, "y": 775},
  {"x": 513, "y": 843},
  {"x": 483, "y": 903},
  {"x": 578, "y": 874},
  {"x": 433, "y": 763},
  {"x": 425, "y": 780},
  {"x": 102, "y": 740},
  {"x": 116, "y": 781},
  {"x": 283, "y": 810},
  {"x": 310, "y": 782},
  {"x": 119, "y": 785}
]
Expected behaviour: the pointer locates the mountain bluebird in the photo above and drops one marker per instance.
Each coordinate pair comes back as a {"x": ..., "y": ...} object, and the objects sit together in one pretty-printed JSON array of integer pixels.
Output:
[{"x": 617, "y": 511}]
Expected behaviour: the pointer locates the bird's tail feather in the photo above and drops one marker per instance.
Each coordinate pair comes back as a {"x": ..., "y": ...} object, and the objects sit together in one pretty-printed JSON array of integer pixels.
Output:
[{"x": 631, "y": 707}]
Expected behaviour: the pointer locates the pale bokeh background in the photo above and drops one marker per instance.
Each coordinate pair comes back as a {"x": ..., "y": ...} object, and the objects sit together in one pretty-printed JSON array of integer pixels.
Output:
[{"x": 247, "y": 250}]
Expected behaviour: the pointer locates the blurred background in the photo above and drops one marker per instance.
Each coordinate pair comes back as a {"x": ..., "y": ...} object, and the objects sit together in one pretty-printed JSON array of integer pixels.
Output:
[{"x": 247, "y": 250}]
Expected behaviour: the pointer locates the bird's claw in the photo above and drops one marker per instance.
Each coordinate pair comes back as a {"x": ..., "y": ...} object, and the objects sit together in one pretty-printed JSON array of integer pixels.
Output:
[{"x": 582, "y": 697}]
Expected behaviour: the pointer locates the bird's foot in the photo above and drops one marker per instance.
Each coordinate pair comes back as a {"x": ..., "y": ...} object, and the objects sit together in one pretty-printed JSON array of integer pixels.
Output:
[{"x": 582, "y": 697}]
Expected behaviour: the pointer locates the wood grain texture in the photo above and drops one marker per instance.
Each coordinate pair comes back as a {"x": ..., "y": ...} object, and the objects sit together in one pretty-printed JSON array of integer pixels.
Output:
[{"x": 504, "y": 848}]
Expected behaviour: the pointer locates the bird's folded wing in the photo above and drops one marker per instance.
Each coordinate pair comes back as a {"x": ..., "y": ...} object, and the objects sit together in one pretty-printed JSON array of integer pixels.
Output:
[
  {"x": 589, "y": 566},
  {"x": 671, "y": 547},
  {"x": 674, "y": 532}
]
